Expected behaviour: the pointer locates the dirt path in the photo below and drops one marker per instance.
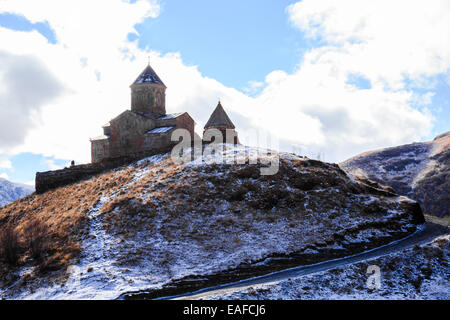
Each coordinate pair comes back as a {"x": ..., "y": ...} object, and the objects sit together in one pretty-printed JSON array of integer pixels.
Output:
[{"x": 426, "y": 234}]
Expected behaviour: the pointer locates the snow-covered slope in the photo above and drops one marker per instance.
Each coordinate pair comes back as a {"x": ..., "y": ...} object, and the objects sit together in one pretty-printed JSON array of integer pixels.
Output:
[
  {"x": 418, "y": 273},
  {"x": 420, "y": 171},
  {"x": 10, "y": 191},
  {"x": 154, "y": 222}
]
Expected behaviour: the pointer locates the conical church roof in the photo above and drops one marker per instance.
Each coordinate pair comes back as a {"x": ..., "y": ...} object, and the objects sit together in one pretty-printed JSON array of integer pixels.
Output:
[
  {"x": 148, "y": 76},
  {"x": 219, "y": 118}
]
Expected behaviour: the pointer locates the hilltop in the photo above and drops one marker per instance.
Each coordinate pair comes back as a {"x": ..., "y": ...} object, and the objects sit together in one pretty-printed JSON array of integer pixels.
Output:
[
  {"x": 11, "y": 191},
  {"x": 419, "y": 170},
  {"x": 155, "y": 222}
]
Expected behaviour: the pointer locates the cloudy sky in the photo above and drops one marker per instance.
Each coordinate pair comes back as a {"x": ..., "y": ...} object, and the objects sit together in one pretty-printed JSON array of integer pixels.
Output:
[{"x": 320, "y": 76}]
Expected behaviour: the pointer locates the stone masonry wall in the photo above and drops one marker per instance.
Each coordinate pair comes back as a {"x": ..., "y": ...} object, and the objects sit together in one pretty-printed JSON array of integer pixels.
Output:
[
  {"x": 53, "y": 179},
  {"x": 127, "y": 134},
  {"x": 99, "y": 150}
]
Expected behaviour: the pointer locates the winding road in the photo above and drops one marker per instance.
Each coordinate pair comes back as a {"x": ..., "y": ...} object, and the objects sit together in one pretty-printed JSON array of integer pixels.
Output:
[{"x": 424, "y": 234}]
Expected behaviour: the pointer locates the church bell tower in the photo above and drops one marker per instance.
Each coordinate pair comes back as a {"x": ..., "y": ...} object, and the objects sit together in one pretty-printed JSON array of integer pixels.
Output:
[{"x": 148, "y": 94}]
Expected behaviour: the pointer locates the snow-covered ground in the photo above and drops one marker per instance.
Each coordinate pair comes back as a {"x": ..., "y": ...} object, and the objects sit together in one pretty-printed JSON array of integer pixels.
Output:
[
  {"x": 97, "y": 276},
  {"x": 417, "y": 170},
  {"x": 397, "y": 166},
  {"x": 202, "y": 217},
  {"x": 10, "y": 191},
  {"x": 421, "y": 272}
]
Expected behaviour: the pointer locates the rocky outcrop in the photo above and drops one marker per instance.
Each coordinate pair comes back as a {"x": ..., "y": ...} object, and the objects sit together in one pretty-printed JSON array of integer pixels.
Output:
[{"x": 420, "y": 171}]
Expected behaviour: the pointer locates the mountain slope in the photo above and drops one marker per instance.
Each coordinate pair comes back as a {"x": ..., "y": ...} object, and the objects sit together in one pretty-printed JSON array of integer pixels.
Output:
[
  {"x": 154, "y": 222},
  {"x": 10, "y": 191},
  {"x": 415, "y": 273},
  {"x": 419, "y": 170}
]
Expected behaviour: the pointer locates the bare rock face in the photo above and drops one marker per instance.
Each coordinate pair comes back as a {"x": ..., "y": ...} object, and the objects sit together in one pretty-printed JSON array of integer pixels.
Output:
[{"x": 420, "y": 171}]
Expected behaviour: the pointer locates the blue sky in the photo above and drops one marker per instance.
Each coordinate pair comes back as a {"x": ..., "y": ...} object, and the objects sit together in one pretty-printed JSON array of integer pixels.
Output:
[
  {"x": 23, "y": 162},
  {"x": 232, "y": 41},
  {"x": 20, "y": 23},
  {"x": 251, "y": 49}
]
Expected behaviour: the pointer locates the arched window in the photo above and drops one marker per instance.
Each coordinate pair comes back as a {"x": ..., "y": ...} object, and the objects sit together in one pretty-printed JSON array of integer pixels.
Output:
[{"x": 150, "y": 99}]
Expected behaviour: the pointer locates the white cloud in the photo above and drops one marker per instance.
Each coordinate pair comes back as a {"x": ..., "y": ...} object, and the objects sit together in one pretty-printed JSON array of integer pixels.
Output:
[
  {"x": 92, "y": 42},
  {"x": 384, "y": 40},
  {"x": 312, "y": 108},
  {"x": 30, "y": 183},
  {"x": 52, "y": 165},
  {"x": 5, "y": 163},
  {"x": 424, "y": 99},
  {"x": 4, "y": 176},
  {"x": 27, "y": 86},
  {"x": 391, "y": 43},
  {"x": 253, "y": 87}
]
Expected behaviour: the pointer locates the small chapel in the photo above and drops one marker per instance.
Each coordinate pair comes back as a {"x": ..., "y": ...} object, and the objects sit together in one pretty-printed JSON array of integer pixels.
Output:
[{"x": 147, "y": 127}]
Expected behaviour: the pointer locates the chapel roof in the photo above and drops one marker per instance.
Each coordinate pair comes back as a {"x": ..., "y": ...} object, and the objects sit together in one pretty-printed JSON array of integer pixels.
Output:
[
  {"x": 219, "y": 118},
  {"x": 148, "y": 76}
]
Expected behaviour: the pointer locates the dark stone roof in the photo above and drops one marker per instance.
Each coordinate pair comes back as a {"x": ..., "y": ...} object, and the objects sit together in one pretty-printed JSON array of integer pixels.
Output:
[
  {"x": 219, "y": 118},
  {"x": 148, "y": 76},
  {"x": 147, "y": 115}
]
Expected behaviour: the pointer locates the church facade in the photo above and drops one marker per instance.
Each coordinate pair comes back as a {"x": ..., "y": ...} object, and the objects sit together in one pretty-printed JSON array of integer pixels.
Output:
[{"x": 147, "y": 127}]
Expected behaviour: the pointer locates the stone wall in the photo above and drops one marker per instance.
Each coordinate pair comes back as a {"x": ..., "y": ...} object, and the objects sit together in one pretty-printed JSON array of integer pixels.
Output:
[
  {"x": 99, "y": 149},
  {"x": 53, "y": 179},
  {"x": 226, "y": 135},
  {"x": 127, "y": 134},
  {"x": 148, "y": 97},
  {"x": 186, "y": 122}
]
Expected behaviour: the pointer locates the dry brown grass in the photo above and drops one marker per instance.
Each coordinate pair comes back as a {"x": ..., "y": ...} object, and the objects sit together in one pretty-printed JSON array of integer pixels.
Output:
[
  {"x": 9, "y": 245},
  {"x": 51, "y": 226},
  {"x": 197, "y": 189},
  {"x": 36, "y": 238}
]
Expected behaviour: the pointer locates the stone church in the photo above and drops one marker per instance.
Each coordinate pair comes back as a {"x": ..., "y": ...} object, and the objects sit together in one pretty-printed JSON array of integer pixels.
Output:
[
  {"x": 219, "y": 120},
  {"x": 147, "y": 127}
]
